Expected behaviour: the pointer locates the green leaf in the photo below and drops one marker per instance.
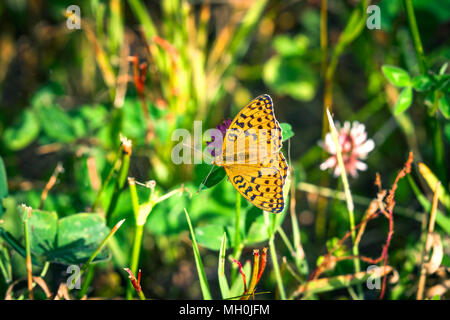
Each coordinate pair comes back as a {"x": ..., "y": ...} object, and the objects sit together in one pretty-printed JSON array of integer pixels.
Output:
[
  {"x": 447, "y": 132},
  {"x": 22, "y": 132},
  {"x": 444, "y": 106},
  {"x": 43, "y": 226},
  {"x": 292, "y": 76},
  {"x": 397, "y": 76},
  {"x": 94, "y": 115},
  {"x": 134, "y": 126},
  {"x": 210, "y": 236},
  {"x": 5, "y": 264},
  {"x": 258, "y": 232},
  {"x": 422, "y": 83},
  {"x": 70, "y": 240},
  {"x": 355, "y": 24},
  {"x": 287, "y": 132},
  {"x": 287, "y": 46},
  {"x": 56, "y": 123},
  {"x": 404, "y": 101},
  {"x": 15, "y": 244},
  {"x": 3, "y": 186},
  {"x": 46, "y": 95},
  {"x": 78, "y": 237},
  {"x": 443, "y": 68},
  {"x": 201, "y": 172}
]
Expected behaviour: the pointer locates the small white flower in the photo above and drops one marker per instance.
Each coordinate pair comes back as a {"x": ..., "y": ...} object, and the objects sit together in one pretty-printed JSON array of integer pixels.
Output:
[{"x": 354, "y": 145}]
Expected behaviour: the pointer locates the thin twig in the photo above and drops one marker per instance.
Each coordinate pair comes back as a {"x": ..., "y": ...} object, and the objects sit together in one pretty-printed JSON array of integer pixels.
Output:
[{"x": 51, "y": 182}]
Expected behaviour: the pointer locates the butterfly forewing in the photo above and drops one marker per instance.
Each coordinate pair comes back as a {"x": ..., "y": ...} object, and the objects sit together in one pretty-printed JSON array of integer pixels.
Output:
[{"x": 254, "y": 133}]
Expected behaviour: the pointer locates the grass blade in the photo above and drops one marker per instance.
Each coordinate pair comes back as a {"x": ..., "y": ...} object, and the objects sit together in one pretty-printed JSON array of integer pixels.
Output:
[
  {"x": 198, "y": 262},
  {"x": 442, "y": 220},
  {"x": 432, "y": 180},
  {"x": 343, "y": 281},
  {"x": 223, "y": 283}
]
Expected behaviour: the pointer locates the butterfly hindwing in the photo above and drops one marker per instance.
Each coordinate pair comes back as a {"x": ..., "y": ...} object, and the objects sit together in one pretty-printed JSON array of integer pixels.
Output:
[{"x": 262, "y": 186}]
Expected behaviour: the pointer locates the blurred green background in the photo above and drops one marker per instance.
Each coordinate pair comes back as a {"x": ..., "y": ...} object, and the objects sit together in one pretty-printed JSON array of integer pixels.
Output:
[{"x": 145, "y": 68}]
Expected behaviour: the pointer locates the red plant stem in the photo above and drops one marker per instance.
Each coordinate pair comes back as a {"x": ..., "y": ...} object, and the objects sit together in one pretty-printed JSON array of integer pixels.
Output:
[
  {"x": 241, "y": 271},
  {"x": 263, "y": 264},
  {"x": 389, "y": 214},
  {"x": 136, "y": 283},
  {"x": 385, "y": 251},
  {"x": 390, "y": 205}
]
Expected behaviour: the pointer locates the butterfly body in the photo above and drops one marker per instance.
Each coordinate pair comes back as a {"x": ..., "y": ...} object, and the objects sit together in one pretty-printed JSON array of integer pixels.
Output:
[{"x": 252, "y": 158}]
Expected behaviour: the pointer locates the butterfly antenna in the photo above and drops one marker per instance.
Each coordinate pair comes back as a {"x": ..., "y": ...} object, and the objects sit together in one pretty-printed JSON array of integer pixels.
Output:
[
  {"x": 196, "y": 150},
  {"x": 291, "y": 172}
]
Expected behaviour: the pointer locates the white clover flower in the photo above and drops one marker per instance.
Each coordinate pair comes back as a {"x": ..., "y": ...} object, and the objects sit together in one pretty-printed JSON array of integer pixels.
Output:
[{"x": 354, "y": 147}]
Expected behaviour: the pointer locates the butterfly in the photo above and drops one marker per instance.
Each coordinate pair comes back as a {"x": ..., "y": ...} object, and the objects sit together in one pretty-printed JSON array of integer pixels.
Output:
[{"x": 251, "y": 155}]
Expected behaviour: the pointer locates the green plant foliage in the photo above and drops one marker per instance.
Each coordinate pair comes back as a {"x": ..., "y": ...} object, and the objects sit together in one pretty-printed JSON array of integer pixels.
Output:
[
  {"x": 210, "y": 236},
  {"x": 287, "y": 73},
  {"x": 404, "y": 101},
  {"x": 23, "y": 132},
  {"x": 422, "y": 83},
  {"x": 107, "y": 103},
  {"x": 397, "y": 76},
  {"x": 286, "y": 129},
  {"x": 70, "y": 240},
  {"x": 216, "y": 174},
  {"x": 3, "y": 185},
  {"x": 5, "y": 264}
]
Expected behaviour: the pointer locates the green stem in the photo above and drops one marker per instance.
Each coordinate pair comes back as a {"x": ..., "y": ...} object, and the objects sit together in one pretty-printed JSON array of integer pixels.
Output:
[
  {"x": 108, "y": 178},
  {"x": 120, "y": 182},
  {"x": 28, "y": 258},
  {"x": 45, "y": 269},
  {"x": 87, "y": 282},
  {"x": 416, "y": 35},
  {"x": 237, "y": 236},
  {"x": 348, "y": 198},
  {"x": 276, "y": 269},
  {"x": 438, "y": 147},
  {"x": 434, "y": 124},
  {"x": 286, "y": 241},
  {"x": 141, "y": 295},
  {"x": 135, "y": 253}
]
